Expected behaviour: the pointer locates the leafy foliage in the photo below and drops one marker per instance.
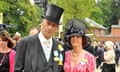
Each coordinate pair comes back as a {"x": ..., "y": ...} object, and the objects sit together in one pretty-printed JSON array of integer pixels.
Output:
[
  {"x": 111, "y": 12},
  {"x": 96, "y": 15},
  {"x": 20, "y": 13},
  {"x": 115, "y": 7},
  {"x": 75, "y": 8},
  {"x": 105, "y": 6},
  {"x": 24, "y": 15}
]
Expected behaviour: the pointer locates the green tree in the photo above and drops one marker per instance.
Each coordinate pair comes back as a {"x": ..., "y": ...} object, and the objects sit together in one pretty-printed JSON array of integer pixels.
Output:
[
  {"x": 75, "y": 8},
  {"x": 115, "y": 7},
  {"x": 96, "y": 15},
  {"x": 20, "y": 13},
  {"x": 110, "y": 12},
  {"x": 105, "y": 6}
]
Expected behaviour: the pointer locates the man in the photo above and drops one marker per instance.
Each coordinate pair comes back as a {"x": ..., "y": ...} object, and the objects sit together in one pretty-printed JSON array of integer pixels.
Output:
[
  {"x": 40, "y": 52},
  {"x": 34, "y": 31}
]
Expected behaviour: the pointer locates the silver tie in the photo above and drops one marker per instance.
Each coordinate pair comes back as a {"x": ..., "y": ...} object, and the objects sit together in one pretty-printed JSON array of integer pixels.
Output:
[{"x": 47, "y": 50}]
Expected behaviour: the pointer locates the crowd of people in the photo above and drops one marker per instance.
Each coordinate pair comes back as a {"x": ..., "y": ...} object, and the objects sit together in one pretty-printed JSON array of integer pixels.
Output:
[
  {"x": 107, "y": 55},
  {"x": 41, "y": 52}
]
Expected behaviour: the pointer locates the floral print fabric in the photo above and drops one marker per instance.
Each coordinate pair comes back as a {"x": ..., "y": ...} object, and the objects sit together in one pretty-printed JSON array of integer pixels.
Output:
[{"x": 86, "y": 65}]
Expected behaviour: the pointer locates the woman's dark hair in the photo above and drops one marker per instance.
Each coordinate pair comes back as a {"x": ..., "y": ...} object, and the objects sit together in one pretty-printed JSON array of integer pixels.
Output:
[
  {"x": 86, "y": 41},
  {"x": 6, "y": 37}
]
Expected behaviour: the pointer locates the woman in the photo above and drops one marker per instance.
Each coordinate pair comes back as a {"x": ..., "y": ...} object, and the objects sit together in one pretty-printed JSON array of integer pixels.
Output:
[
  {"x": 109, "y": 57},
  {"x": 7, "y": 54},
  {"x": 77, "y": 59}
]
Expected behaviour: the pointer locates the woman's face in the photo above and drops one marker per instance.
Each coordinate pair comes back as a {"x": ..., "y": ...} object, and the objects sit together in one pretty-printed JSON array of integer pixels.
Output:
[
  {"x": 48, "y": 28},
  {"x": 3, "y": 44},
  {"x": 76, "y": 41}
]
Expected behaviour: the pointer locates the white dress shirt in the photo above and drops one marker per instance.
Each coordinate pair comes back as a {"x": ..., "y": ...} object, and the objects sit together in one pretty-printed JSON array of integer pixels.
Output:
[{"x": 46, "y": 45}]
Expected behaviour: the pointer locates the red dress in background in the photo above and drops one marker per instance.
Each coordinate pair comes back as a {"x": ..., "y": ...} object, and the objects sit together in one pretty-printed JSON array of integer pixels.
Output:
[{"x": 86, "y": 65}]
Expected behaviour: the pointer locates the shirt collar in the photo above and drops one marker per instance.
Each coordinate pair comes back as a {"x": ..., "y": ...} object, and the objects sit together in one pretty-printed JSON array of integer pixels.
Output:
[{"x": 42, "y": 38}]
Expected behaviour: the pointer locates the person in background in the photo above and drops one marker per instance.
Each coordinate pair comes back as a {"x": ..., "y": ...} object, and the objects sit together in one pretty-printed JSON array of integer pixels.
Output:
[
  {"x": 109, "y": 57},
  {"x": 34, "y": 31},
  {"x": 41, "y": 52},
  {"x": 17, "y": 37},
  {"x": 96, "y": 52},
  {"x": 117, "y": 55},
  {"x": 77, "y": 59},
  {"x": 7, "y": 54},
  {"x": 88, "y": 46}
]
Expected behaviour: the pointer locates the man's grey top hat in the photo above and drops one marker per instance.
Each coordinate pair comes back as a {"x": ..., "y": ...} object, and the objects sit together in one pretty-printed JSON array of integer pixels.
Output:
[
  {"x": 75, "y": 27},
  {"x": 53, "y": 13}
]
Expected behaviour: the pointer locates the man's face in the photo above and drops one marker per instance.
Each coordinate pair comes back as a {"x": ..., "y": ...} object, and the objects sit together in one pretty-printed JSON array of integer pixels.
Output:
[{"x": 48, "y": 28}]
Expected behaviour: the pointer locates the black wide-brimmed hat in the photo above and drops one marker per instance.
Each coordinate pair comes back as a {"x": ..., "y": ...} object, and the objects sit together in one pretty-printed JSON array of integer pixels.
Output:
[
  {"x": 75, "y": 27},
  {"x": 53, "y": 13}
]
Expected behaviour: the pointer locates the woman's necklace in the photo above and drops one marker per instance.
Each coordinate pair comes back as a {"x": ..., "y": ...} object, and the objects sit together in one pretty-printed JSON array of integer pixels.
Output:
[{"x": 2, "y": 60}]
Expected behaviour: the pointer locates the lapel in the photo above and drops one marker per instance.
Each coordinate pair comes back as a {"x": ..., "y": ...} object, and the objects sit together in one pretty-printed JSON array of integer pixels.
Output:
[
  {"x": 55, "y": 64},
  {"x": 43, "y": 59},
  {"x": 34, "y": 52},
  {"x": 41, "y": 53},
  {"x": 51, "y": 61}
]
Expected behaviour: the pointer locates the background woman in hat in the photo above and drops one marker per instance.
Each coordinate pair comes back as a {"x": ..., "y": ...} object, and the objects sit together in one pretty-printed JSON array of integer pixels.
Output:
[
  {"x": 7, "y": 54},
  {"x": 39, "y": 52},
  {"x": 77, "y": 59}
]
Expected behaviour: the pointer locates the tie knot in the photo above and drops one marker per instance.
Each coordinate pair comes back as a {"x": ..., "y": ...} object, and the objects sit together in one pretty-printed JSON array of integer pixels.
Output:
[{"x": 47, "y": 43}]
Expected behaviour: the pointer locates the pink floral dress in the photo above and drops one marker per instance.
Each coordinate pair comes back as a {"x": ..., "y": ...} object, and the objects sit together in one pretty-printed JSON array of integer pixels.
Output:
[{"x": 86, "y": 65}]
